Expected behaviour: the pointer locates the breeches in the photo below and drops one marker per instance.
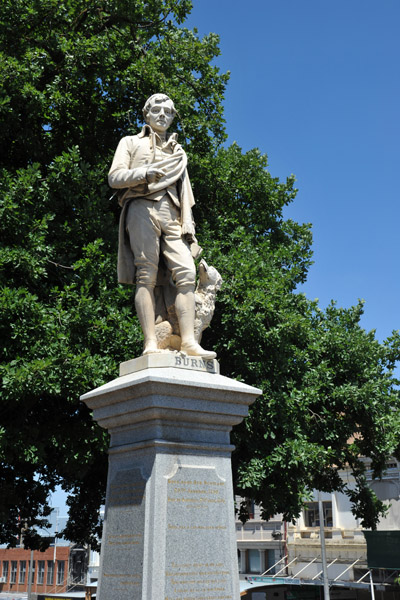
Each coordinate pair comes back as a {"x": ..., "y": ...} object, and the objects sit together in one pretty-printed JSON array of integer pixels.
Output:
[{"x": 154, "y": 226}]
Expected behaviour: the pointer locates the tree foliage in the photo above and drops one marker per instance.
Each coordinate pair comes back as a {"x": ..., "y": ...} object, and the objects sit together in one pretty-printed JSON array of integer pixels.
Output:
[
  {"x": 329, "y": 394},
  {"x": 74, "y": 77}
]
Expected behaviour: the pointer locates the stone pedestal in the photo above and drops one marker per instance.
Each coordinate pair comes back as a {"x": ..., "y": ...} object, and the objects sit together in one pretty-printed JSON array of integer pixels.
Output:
[{"x": 169, "y": 529}]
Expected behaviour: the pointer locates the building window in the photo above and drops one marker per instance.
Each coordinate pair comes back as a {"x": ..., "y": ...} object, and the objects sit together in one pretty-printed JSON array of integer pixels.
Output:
[
  {"x": 5, "y": 569},
  {"x": 33, "y": 571},
  {"x": 254, "y": 559},
  {"x": 250, "y": 505},
  {"x": 311, "y": 514},
  {"x": 60, "y": 572},
  {"x": 14, "y": 566},
  {"x": 22, "y": 571},
  {"x": 50, "y": 572},
  {"x": 270, "y": 561},
  {"x": 40, "y": 575}
]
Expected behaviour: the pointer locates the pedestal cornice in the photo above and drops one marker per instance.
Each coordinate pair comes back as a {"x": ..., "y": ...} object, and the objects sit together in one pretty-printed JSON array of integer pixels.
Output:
[{"x": 172, "y": 404}]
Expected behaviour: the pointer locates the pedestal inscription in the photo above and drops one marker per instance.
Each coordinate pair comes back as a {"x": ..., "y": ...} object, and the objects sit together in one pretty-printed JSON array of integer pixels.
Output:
[
  {"x": 122, "y": 560},
  {"x": 176, "y": 360},
  {"x": 197, "y": 530}
]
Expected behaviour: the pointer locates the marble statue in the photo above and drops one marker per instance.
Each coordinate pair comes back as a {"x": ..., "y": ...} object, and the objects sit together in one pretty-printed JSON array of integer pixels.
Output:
[{"x": 157, "y": 235}]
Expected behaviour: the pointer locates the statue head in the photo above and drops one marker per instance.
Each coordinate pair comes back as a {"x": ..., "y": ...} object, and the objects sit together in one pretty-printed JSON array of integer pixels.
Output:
[{"x": 159, "y": 112}]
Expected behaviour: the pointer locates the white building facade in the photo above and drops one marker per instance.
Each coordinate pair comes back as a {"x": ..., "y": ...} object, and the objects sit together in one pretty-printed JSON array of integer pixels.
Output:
[{"x": 298, "y": 546}]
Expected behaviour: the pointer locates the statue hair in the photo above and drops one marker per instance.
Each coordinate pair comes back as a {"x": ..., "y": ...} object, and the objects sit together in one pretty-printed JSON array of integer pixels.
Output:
[{"x": 153, "y": 100}]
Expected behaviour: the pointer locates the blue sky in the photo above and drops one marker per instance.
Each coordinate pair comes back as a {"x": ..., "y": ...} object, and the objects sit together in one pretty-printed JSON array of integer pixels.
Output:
[{"x": 316, "y": 86}]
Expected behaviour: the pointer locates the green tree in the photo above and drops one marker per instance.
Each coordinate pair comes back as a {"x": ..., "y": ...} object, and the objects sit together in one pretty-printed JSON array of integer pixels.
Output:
[
  {"x": 74, "y": 77},
  {"x": 330, "y": 397}
]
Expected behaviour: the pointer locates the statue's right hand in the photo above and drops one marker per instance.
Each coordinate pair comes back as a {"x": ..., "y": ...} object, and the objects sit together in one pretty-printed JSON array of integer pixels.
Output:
[{"x": 153, "y": 175}]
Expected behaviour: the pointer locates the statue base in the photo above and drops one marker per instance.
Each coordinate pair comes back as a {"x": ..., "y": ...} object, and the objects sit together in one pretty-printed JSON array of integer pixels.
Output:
[
  {"x": 168, "y": 358},
  {"x": 169, "y": 529}
]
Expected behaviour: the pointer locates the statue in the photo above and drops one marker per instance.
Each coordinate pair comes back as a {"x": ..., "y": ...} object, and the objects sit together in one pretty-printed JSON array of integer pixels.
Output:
[
  {"x": 157, "y": 234},
  {"x": 167, "y": 323}
]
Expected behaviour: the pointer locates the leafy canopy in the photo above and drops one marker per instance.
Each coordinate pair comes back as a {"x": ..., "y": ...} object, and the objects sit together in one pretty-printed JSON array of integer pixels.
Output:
[{"x": 74, "y": 77}]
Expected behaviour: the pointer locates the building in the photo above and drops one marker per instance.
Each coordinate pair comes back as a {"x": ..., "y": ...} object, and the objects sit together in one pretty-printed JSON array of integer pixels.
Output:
[
  {"x": 260, "y": 544},
  {"x": 53, "y": 571},
  {"x": 345, "y": 543},
  {"x": 60, "y": 568},
  {"x": 297, "y": 572},
  {"x": 49, "y": 570}
]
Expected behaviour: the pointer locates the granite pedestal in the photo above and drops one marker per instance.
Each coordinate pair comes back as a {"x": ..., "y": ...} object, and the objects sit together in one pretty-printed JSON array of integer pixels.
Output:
[{"x": 169, "y": 529}]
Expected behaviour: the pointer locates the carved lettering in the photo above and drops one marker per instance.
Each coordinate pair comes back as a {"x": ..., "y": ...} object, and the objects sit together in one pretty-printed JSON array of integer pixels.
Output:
[
  {"x": 123, "y": 539},
  {"x": 200, "y": 364},
  {"x": 197, "y": 508}
]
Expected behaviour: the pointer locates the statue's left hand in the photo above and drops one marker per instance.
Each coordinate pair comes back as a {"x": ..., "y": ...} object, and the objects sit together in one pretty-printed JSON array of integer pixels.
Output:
[{"x": 153, "y": 175}]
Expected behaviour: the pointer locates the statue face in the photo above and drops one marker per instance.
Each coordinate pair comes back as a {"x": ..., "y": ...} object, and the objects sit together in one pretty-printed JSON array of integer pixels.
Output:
[{"x": 160, "y": 116}]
